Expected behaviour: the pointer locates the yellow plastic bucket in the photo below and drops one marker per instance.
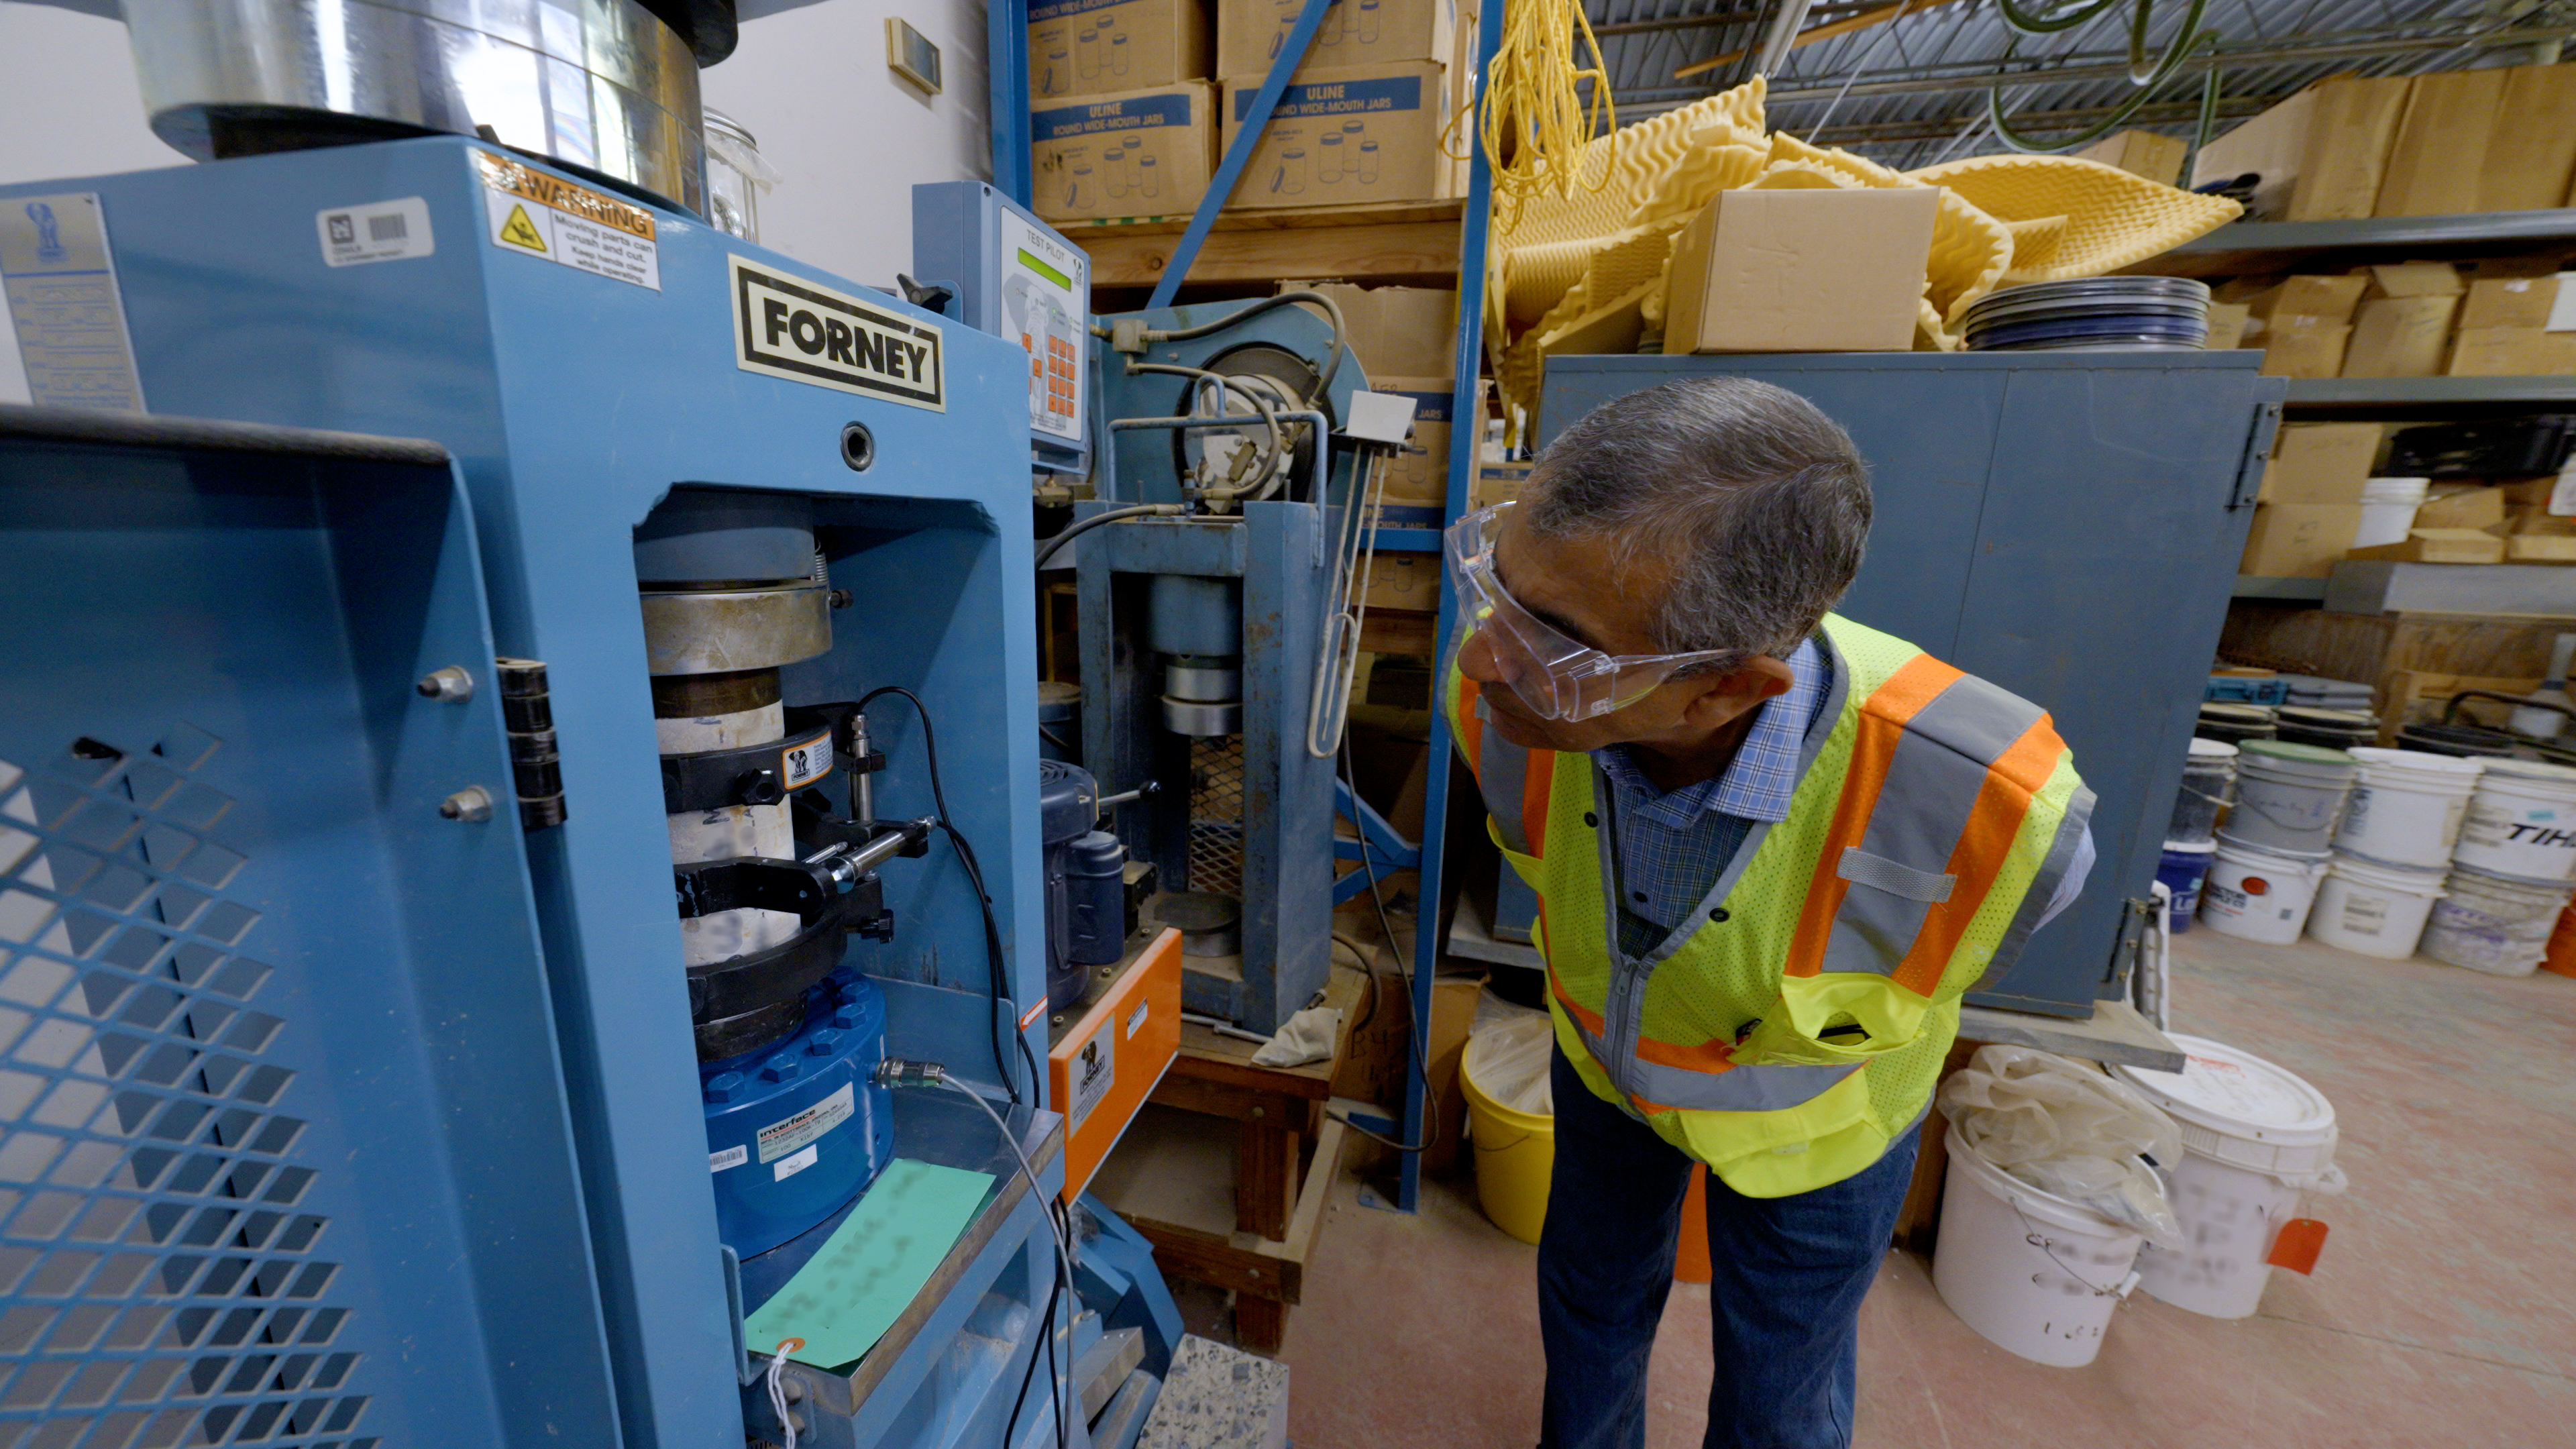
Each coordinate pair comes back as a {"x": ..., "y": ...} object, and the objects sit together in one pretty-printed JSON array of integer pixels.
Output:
[{"x": 1514, "y": 1153}]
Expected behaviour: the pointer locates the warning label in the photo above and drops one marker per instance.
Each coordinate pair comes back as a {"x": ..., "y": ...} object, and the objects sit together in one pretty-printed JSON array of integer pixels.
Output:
[
  {"x": 1094, "y": 1072},
  {"x": 783, "y": 1137},
  {"x": 539, "y": 215}
]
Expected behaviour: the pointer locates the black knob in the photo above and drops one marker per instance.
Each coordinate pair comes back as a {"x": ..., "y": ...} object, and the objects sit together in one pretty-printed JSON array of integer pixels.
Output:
[{"x": 758, "y": 787}]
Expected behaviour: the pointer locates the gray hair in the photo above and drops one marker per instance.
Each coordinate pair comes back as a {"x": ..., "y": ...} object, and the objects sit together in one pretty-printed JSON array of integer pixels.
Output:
[{"x": 1759, "y": 499}]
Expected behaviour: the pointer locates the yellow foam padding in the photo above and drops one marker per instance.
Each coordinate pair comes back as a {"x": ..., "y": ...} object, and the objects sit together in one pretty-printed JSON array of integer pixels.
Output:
[
  {"x": 2113, "y": 218},
  {"x": 2035, "y": 241}
]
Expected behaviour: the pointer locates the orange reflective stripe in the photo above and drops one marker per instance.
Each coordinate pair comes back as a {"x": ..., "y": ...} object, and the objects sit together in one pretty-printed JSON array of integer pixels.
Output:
[
  {"x": 1984, "y": 845},
  {"x": 1536, "y": 783},
  {"x": 1584, "y": 1016},
  {"x": 1881, "y": 721},
  {"x": 1709, "y": 1056}
]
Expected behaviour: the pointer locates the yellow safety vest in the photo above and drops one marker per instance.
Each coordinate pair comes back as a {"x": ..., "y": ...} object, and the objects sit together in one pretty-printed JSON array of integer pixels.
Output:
[{"x": 1798, "y": 1030}]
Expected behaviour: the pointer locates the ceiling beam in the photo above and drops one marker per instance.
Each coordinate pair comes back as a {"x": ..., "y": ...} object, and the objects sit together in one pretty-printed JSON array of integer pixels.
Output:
[{"x": 1878, "y": 15}]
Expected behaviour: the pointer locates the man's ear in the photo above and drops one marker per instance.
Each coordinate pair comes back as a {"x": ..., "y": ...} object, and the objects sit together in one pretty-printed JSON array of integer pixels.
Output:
[{"x": 1724, "y": 696}]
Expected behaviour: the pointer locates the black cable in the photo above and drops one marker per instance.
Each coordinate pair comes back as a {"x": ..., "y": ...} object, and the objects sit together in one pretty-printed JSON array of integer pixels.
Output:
[
  {"x": 1085, "y": 525},
  {"x": 1046, "y": 1325},
  {"x": 995, "y": 968},
  {"x": 1421, "y": 1028}
]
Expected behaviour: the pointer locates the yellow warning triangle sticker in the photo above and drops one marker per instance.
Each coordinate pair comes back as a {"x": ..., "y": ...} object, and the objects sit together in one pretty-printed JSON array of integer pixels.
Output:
[{"x": 518, "y": 231}]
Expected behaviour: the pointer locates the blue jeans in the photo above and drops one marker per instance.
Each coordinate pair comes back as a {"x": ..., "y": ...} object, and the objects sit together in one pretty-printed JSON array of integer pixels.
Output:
[{"x": 1785, "y": 1299}]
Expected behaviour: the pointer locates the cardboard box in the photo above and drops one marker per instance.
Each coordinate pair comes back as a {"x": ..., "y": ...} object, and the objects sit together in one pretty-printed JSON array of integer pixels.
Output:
[
  {"x": 2531, "y": 159},
  {"x": 2399, "y": 337},
  {"x": 1354, "y": 32},
  {"x": 2321, "y": 463},
  {"x": 2511, "y": 352},
  {"x": 2227, "y": 325},
  {"x": 1412, "y": 580},
  {"x": 2304, "y": 347},
  {"x": 2475, "y": 508},
  {"x": 1801, "y": 271},
  {"x": 2509, "y": 302},
  {"x": 2437, "y": 545},
  {"x": 1421, "y": 480},
  {"x": 1101, "y": 47},
  {"x": 2529, "y": 548},
  {"x": 2440, "y": 154},
  {"x": 2350, "y": 130},
  {"x": 1362, "y": 133},
  {"x": 2322, "y": 298},
  {"x": 2141, "y": 153},
  {"x": 2299, "y": 540},
  {"x": 1503, "y": 482},
  {"x": 1395, "y": 331},
  {"x": 2270, "y": 146},
  {"x": 1140, "y": 153},
  {"x": 2412, "y": 279}
]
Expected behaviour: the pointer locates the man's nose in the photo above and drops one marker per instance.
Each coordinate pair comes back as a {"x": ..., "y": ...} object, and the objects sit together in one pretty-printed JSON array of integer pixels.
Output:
[{"x": 1477, "y": 660}]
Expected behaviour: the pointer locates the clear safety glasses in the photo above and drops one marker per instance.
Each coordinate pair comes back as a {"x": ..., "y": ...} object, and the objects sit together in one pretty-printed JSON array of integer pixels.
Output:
[{"x": 1555, "y": 676}]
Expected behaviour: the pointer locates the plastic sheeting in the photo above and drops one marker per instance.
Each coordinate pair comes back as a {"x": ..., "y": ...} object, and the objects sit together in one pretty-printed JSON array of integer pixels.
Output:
[
  {"x": 2065, "y": 1128},
  {"x": 1507, "y": 1057}
]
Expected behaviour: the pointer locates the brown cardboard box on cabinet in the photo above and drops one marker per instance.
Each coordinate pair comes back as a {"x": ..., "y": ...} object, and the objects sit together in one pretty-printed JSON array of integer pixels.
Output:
[
  {"x": 2304, "y": 347},
  {"x": 2350, "y": 130},
  {"x": 1395, "y": 331},
  {"x": 2299, "y": 540},
  {"x": 2399, "y": 337},
  {"x": 1100, "y": 47},
  {"x": 2437, "y": 545},
  {"x": 2271, "y": 146},
  {"x": 1420, "y": 479},
  {"x": 2322, "y": 298},
  {"x": 2478, "y": 508},
  {"x": 2141, "y": 153},
  {"x": 1353, "y": 32},
  {"x": 1801, "y": 271},
  {"x": 2531, "y": 160},
  {"x": 2321, "y": 463},
  {"x": 1139, "y": 153},
  {"x": 2511, "y": 352},
  {"x": 2440, "y": 154},
  {"x": 2509, "y": 302},
  {"x": 1412, "y": 581},
  {"x": 1360, "y": 133}
]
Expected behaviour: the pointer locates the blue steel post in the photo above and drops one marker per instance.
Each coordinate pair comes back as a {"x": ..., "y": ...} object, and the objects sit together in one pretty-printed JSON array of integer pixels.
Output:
[
  {"x": 1006, "y": 75},
  {"x": 1466, "y": 445},
  {"x": 1238, "y": 155}
]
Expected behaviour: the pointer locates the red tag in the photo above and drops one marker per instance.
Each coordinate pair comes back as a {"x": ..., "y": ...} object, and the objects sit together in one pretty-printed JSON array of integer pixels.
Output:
[{"x": 2297, "y": 1246}]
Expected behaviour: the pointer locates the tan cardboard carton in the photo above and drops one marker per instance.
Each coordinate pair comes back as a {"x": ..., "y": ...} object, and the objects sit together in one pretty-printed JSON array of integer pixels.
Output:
[
  {"x": 2141, "y": 153},
  {"x": 1361, "y": 133},
  {"x": 1395, "y": 331},
  {"x": 1412, "y": 580},
  {"x": 1354, "y": 32},
  {"x": 2321, "y": 463},
  {"x": 1800, "y": 271},
  {"x": 2437, "y": 545},
  {"x": 2271, "y": 146},
  {"x": 2440, "y": 154},
  {"x": 2531, "y": 159},
  {"x": 2304, "y": 347},
  {"x": 2399, "y": 337},
  {"x": 2530, "y": 548},
  {"x": 1101, "y": 47},
  {"x": 2227, "y": 325},
  {"x": 2299, "y": 540},
  {"x": 2413, "y": 279},
  {"x": 2478, "y": 508},
  {"x": 2324, "y": 298},
  {"x": 2509, "y": 302},
  {"x": 2353, "y": 124},
  {"x": 1503, "y": 482},
  {"x": 1138, "y": 153},
  {"x": 2511, "y": 352},
  {"x": 1421, "y": 479}
]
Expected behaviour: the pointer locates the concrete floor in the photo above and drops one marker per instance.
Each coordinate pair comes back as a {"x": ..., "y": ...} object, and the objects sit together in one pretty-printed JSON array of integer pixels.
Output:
[{"x": 2443, "y": 1310}]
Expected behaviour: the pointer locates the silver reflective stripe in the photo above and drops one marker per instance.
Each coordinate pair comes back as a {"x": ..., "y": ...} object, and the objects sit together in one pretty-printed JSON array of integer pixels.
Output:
[
  {"x": 1940, "y": 767},
  {"x": 2043, "y": 888},
  {"x": 1502, "y": 773},
  {"x": 1737, "y": 1089}
]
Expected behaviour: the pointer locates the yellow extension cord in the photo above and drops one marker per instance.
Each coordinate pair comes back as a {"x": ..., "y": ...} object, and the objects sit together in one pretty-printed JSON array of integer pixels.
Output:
[{"x": 1535, "y": 124}]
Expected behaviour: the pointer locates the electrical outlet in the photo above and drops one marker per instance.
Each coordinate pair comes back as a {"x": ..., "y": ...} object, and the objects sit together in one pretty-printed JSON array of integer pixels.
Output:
[{"x": 910, "y": 54}]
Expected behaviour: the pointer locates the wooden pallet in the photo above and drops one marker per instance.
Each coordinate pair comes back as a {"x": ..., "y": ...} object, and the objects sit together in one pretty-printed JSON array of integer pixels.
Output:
[{"x": 1367, "y": 242}]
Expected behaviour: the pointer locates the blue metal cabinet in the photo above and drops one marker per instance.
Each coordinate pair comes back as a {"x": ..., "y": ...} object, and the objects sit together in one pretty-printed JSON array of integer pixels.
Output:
[{"x": 2066, "y": 525}]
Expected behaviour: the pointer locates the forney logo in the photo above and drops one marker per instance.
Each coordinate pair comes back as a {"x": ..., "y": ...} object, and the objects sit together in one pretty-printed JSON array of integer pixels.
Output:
[{"x": 809, "y": 333}]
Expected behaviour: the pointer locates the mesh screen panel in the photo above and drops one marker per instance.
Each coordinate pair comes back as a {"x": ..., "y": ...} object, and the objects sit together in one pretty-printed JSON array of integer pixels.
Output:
[{"x": 1216, "y": 815}]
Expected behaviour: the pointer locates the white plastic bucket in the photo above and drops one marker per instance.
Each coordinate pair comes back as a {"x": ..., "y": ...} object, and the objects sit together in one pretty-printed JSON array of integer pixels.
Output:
[
  {"x": 2289, "y": 796},
  {"x": 2521, "y": 822},
  {"x": 2408, "y": 808},
  {"x": 2388, "y": 510},
  {"x": 2254, "y": 1137},
  {"x": 2259, "y": 895},
  {"x": 2030, "y": 1271},
  {"x": 2494, "y": 925},
  {"x": 2375, "y": 909},
  {"x": 2208, "y": 780}
]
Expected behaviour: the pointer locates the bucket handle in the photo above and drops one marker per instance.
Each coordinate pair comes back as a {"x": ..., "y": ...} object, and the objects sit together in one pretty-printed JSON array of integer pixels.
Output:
[
  {"x": 2205, "y": 795},
  {"x": 2452, "y": 709},
  {"x": 2037, "y": 1239}
]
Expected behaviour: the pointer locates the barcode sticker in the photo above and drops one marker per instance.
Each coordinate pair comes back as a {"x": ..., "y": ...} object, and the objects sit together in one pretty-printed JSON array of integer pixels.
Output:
[
  {"x": 734, "y": 1156},
  {"x": 380, "y": 231},
  {"x": 806, "y": 761}
]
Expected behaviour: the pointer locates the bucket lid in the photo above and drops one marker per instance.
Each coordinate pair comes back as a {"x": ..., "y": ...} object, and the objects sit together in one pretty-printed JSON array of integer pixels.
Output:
[
  {"x": 2252, "y": 714},
  {"x": 2390, "y": 490},
  {"x": 2190, "y": 847},
  {"x": 2212, "y": 750},
  {"x": 2374, "y": 755},
  {"x": 2291, "y": 754},
  {"x": 2237, "y": 1094},
  {"x": 2318, "y": 717},
  {"x": 2533, "y": 770}
]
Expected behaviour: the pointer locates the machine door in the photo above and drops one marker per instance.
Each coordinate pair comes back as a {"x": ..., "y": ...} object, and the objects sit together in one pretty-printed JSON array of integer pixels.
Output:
[{"x": 284, "y": 1154}]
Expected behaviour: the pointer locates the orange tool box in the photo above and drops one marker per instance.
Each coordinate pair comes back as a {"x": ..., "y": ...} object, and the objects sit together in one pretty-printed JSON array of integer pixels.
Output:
[{"x": 1107, "y": 1063}]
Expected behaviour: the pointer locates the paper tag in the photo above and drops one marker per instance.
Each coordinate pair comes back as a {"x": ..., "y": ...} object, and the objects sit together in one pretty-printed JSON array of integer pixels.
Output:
[
  {"x": 380, "y": 231},
  {"x": 789, "y": 1167},
  {"x": 538, "y": 215},
  {"x": 2562, "y": 311},
  {"x": 734, "y": 1156},
  {"x": 1094, "y": 1071},
  {"x": 786, "y": 1135},
  {"x": 70, "y": 315},
  {"x": 803, "y": 763}
]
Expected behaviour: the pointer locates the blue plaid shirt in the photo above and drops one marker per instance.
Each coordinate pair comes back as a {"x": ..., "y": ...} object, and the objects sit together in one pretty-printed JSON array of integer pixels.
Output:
[{"x": 1672, "y": 847}]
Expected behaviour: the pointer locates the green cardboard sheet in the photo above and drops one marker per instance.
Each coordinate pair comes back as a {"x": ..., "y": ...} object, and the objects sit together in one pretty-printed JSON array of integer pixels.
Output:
[{"x": 845, "y": 1299}]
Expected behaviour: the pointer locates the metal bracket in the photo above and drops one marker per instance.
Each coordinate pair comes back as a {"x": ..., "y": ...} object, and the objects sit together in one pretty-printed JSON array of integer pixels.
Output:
[
  {"x": 1380, "y": 850},
  {"x": 2257, "y": 456}
]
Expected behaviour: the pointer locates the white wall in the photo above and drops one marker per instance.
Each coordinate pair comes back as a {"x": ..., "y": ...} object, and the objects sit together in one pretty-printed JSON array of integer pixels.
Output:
[{"x": 812, "y": 84}]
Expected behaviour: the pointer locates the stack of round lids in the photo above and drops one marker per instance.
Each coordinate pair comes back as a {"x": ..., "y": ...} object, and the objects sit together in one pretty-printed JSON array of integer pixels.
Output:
[{"x": 2158, "y": 313}]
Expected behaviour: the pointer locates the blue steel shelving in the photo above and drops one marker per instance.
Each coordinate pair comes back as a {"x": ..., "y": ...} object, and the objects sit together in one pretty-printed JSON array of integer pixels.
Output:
[{"x": 1379, "y": 850}]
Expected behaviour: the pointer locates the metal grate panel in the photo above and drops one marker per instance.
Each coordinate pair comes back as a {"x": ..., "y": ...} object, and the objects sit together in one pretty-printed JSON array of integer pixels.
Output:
[
  {"x": 162, "y": 1287},
  {"x": 1216, "y": 815}
]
